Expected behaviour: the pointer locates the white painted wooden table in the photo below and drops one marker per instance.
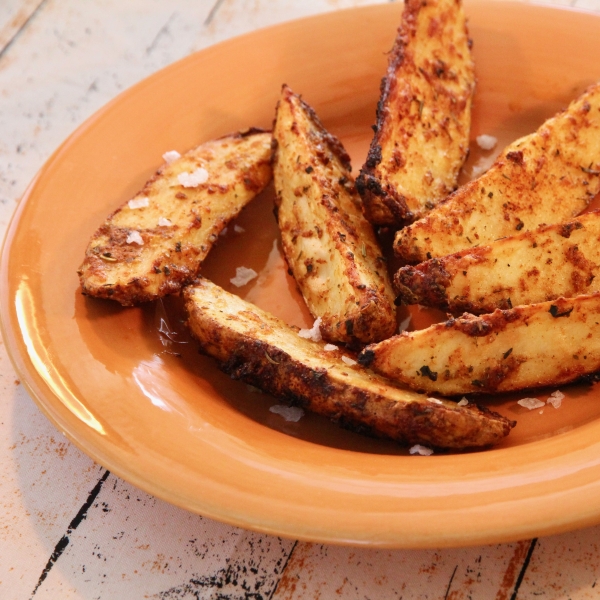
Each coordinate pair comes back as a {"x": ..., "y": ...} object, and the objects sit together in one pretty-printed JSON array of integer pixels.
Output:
[{"x": 68, "y": 528}]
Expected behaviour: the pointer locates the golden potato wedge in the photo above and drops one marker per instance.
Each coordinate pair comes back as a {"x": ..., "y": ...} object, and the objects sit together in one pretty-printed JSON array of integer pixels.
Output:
[
  {"x": 256, "y": 347},
  {"x": 330, "y": 247},
  {"x": 155, "y": 243},
  {"x": 544, "y": 178},
  {"x": 549, "y": 343},
  {"x": 534, "y": 266},
  {"x": 423, "y": 117}
]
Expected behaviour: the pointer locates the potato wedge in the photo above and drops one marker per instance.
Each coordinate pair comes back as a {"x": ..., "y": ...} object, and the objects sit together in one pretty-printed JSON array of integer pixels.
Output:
[
  {"x": 154, "y": 244},
  {"x": 256, "y": 347},
  {"x": 534, "y": 266},
  {"x": 549, "y": 343},
  {"x": 423, "y": 117},
  {"x": 546, "y": 177},
  {"x": 330, "y": 247}
]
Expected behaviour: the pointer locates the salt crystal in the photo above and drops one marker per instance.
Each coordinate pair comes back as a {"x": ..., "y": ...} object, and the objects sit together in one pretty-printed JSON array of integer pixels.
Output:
[
  {"x": 138, "y": 203},
  {"x": 330, "y": 347},
  {"x": 171, "y": 156},
  {"x": 223, "y": 231},
  {"x": 163, "y": 222},
  {"x": 350, "y": 362},
  {"x": 243, "y": 275},
  {"x": 134, "y": 237},
  {"x": 404, "y": 324},
  {"x": 477, "y": 170},
  {"x": 463, "y": 402},
  {"x": 555, "y": 399},
  {"x": 289, "y": 413},
  {"x": 238, "y": 229},
  {"x": 486, "y": 142},
  {"x": 421, "y": 450},
  {"x": 531, "y": 403},
  {"x": 193, "y": 179},
  {"x": 435, "y": 400},
  {"x": 314, "y": 333}
]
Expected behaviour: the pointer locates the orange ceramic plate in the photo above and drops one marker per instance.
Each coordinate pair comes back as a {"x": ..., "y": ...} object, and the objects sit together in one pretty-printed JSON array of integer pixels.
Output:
[{"x": 156, "y": 413}]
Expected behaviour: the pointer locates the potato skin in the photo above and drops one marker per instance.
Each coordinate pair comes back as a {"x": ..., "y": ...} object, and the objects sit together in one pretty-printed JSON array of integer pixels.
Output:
[
  {"x": 170, "y": 256},
  {"x": 423, "y": 117},
  {"x": 330, "y": 247},
  {"x": 538, "y": 345},
  {"x": 546, "y": 177},
  {"x": 256, "y": 347},
  {"x": 534, "y": 266}
]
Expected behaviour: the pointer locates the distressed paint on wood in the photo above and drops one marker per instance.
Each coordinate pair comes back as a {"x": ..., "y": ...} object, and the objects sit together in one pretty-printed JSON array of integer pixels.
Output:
[{"x": 452, "y": 574}]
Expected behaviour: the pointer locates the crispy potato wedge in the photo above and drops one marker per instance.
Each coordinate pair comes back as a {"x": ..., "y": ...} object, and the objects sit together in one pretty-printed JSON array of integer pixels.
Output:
[
  {"x": 154, "y": 244},
  {"x": 423, "y": 117},
  {"x": 330, "y": 247},
  {"x": 561, "y": 260},
  {"x": 548, "y": 343},
  {"x": 256, "y": 347},
  {"x": 544, "y": 178}
]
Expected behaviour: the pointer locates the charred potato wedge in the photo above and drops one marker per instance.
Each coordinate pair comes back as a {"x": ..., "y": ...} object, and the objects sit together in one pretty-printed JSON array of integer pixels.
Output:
[
  {"x": 256, "y": 347},
  {"x": 547, "y": 177},
  {"x": 423, "y": 116},
  {"x": 549, "y": 343},
  {"x": 535, "y": 266},
  {"x": 330, "y": 247},
  {"x": 155, "y": 243}
]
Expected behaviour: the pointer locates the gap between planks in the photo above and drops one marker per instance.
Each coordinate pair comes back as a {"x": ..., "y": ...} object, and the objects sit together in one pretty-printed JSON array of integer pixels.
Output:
[{"x": 14, "y": 18}]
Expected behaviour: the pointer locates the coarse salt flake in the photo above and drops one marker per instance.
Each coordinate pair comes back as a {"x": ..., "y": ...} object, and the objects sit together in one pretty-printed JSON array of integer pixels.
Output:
[
  {"x": 421, "y": 450},
  {"x": 435, "y": 400},
  {"x": 171, "y": 156},
  {"x": 193, "y": 179},
  {"x": 531, "y": 403},
  {"x": 404, "y": 324},
  {"x": 330, "y": 347},
  {"x": 314, "y": 333},
  {"x": 134, "y": 237},
  {"x": 289, "y": 413},
  {"x": 164, "y": 222},
  {"x": 462, "y": 402},
  {"x": 555, "y": 399},
  {"x": 349, "y": 361},
  {"x": 243, "y": 275},
  {"x": 486, "y": 142},
  {"x": 238, "y": 229},
  {"x": 138, "y": 203}
]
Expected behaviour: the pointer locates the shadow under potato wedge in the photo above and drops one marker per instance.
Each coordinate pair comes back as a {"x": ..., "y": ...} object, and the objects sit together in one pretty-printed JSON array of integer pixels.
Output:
[
  {"x": 546, "y": 177},
  {"x": 258, "y": 348},
  {"x": 543, "y": 344}
]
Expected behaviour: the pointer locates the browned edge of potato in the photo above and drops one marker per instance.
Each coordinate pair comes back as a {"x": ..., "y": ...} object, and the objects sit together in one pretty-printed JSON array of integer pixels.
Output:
[
  {"x": 330, "y": 248},
  {"x": 155, "y": 243},
  {"x": 423, "y": 116},
  {"x": 546, "y": 177},
  {"x": 538, "y": 345},
  {"x": 535, "y": 266},
  {"x": 258, "y": 348}
]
